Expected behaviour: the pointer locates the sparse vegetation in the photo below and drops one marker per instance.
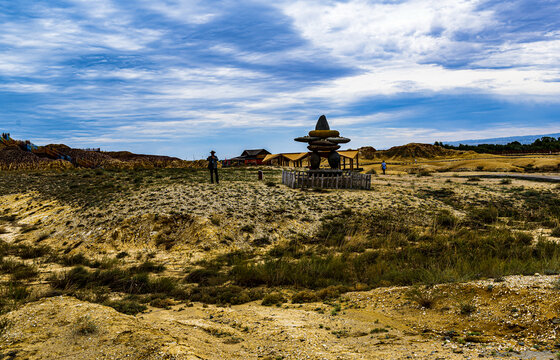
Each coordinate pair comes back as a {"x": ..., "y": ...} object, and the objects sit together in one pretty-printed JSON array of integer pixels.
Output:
[
  {"x": 466, "y": 308},
  {"x": 285, "y": 248},
  {"x": 85, "y": 326},
  {"x": 4, "y": 325},
  {"x": 273, "y": 299},
  {"x": 424, "y": 297}
]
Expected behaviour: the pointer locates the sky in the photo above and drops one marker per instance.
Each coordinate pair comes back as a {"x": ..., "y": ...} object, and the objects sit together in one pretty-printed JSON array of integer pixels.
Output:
[{"x": 183, "y": 77}]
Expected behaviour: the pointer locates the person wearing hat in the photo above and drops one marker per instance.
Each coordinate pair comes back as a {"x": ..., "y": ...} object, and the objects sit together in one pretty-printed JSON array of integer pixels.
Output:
[{"x": 213, "y": 166}]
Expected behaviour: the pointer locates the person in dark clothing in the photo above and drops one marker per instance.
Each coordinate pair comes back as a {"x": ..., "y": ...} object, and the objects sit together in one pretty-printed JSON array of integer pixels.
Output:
[
  {"x": 213, "y": 166},
  {"x": 383, "y": 166}
]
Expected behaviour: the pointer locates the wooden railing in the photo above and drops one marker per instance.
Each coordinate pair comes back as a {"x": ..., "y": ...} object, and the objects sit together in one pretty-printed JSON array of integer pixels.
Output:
[{"x": 326, "y": 179}]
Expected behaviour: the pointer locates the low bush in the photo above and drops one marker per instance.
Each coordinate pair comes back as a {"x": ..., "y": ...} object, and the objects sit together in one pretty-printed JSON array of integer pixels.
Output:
[
  {"x": 274, "y": 298},
  {"x": 148, "y": 267},
  {"x": 129, "y": 307},
  {"x": 17, "y": 270},
  {"x": 424, "y": 297},
  {"x": 206, "y": 277},
  {"x": 446, "y": 219},
  {"x": 467, "y": 308},
  {"x": 120, "y": 280},
  {"x": 76, "y": 259},
  {"x": 484, "y": 215},
  {"x": 304, "y": 296},
  {"x": 85, "y": 326},
  {"x": 230, "y": 294}
]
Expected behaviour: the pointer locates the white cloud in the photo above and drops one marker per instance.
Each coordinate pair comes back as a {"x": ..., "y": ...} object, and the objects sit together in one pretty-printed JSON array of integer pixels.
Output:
[
  {"x": 411, "y": 78},
  {"x": 189, "y": 11},
  {"x": 25, "y": 88},
  {"x": 366, "y": 32},
  {"x": 544, "y": 53}
]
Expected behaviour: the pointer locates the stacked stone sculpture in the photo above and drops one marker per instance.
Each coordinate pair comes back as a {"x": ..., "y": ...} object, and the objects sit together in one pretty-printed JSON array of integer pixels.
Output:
[{"x": 323, "y": 142}]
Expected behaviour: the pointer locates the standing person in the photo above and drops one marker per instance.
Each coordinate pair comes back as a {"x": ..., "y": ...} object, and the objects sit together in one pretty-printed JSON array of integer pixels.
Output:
[
  {"x": 213, "y": 166},
  {"x": 383, "y": 166}
]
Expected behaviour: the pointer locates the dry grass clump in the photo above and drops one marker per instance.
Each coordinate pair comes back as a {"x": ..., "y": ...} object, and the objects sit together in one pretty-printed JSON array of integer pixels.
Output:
[
  {"x": 274, "y": 298},
  {"x": 85, "y": 326},
  {"x": 424, "y": 297}
]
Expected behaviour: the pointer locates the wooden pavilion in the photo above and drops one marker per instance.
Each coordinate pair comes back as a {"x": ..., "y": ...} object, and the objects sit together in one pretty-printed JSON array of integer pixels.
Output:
[
  {"x": 350, "y": 159},
  {"x": 350, "y": 155},
  {"x": 287, "y": 159}
]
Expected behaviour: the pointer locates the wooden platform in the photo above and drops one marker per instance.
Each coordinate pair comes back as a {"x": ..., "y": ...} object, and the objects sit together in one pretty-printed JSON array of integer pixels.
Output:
[{"x": 326, "y": 179}]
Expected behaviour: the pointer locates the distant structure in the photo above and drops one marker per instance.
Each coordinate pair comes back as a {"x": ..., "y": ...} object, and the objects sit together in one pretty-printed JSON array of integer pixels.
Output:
[
  {"x": 323, "y": 143},
  {"x": 248, "y": 157},
  {"x": 350, "y": 159}
]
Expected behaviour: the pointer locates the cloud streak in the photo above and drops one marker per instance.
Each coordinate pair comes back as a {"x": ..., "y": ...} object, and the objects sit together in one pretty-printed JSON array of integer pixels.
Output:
[{"x": 176, "y": 72}]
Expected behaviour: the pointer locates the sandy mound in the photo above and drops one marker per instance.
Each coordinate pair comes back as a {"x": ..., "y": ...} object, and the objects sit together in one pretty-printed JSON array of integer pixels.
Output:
[
  {"x": 64, "y": 327},
  {"x": 147, "y": 161},
  {"x": 367, "y": 152},
  {"x": 415, "y": 150}
]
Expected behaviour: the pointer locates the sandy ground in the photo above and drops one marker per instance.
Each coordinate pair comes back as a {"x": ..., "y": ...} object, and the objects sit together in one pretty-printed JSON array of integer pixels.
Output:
[
  {"x": 516, "y": 318},
  {"x": 378, "y": 324}
]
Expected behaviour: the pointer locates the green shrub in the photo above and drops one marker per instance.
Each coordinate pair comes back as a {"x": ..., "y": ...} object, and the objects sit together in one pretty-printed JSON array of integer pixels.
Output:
[
  {"x": 484, "y": 215},
  {"x": 77, "y": 259},
  {"x": 378, "y": 330},
  {"x": 15, "y": 292},
  {"x": 24, "y": 272},
  {"x": 304, "y": 296},
  {"x": 115, "y": 279},
  {"x": 128, "y": 307},
  {"x": 273, "y": 299},
  {"x": 555, "y": 232},
  {"x": 31, "y": 252},
  {"x": 230, "y": 294},
  {"x": 446, "y": 219},
  {"x": 163, "y": 303},
  {"x": 205, "y": 277}
]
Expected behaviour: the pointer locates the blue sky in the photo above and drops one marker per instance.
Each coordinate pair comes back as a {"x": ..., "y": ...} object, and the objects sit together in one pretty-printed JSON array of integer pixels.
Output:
[{"x": 182, "y": 77}]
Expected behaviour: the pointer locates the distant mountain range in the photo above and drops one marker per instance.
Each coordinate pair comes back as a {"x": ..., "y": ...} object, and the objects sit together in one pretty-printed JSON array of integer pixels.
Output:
[{"x": 527, "y": 139}]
